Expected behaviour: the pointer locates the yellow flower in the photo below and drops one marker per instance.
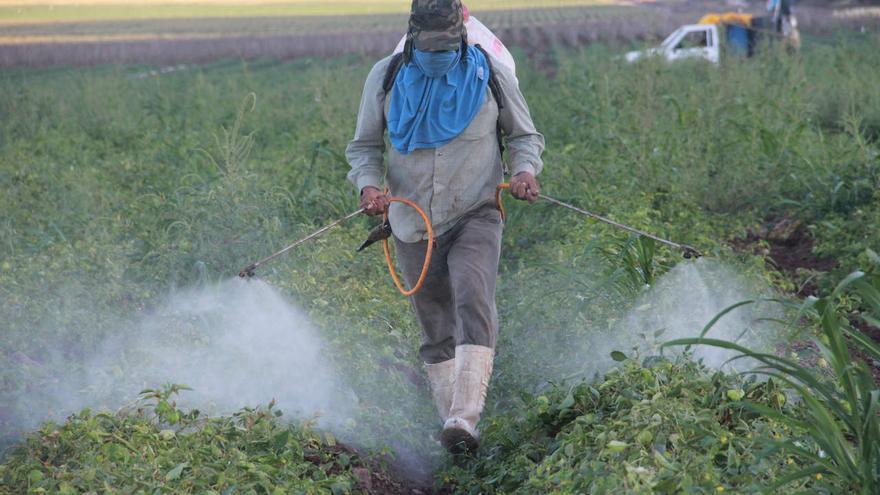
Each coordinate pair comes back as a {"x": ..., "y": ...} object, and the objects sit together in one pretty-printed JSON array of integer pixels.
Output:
[
  {"x": 818, "y": 476},
  {"x": 789, "y": 461},
  {"x": 821, "y": 362},
  {"x": 719, "y": 488}
]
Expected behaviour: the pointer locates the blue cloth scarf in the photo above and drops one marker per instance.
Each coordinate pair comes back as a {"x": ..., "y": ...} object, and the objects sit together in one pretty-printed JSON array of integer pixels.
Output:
[{"x": 435, "y": 97}]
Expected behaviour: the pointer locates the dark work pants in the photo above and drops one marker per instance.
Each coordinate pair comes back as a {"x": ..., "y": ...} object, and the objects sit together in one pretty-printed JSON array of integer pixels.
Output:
[{"x": 456, "y": 305}]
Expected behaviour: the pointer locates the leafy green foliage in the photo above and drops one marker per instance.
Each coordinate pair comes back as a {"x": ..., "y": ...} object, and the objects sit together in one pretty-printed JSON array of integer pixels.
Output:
[
  {"x": 154, "y": 447},
  {"x": 666, "y": 427}
]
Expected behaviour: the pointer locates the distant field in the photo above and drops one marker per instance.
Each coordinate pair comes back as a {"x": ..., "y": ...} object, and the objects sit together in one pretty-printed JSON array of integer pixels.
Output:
[
  {"x": 172, "y": 40},
  {"x": 68, "y": 32},
  {"x": 171, "y": 28},
  {"x": 25, "y": 12},
  {"x": 200, "y": 40}
]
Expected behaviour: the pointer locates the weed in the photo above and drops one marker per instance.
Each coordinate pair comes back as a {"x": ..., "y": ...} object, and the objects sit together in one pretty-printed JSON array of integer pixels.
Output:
[{"x": 839, "y": 443}]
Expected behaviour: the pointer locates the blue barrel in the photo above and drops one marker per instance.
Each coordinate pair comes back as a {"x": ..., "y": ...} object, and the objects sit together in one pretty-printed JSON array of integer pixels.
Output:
[{"x": 737, "y": 40}]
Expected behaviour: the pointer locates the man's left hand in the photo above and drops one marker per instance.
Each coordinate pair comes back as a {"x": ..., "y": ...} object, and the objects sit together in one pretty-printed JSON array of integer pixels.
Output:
[{"x": 524, "y": 186}]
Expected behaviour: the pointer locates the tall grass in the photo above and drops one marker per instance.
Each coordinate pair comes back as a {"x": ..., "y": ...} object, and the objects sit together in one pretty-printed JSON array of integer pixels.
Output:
[{"x": 840, "y": 426}]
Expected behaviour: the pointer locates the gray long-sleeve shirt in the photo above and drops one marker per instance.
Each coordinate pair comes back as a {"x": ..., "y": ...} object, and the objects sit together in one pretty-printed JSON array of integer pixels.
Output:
[{"x": 451, "y": 180}]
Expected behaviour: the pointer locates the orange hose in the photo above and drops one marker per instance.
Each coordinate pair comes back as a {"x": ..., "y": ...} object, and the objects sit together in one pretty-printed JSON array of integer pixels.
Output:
[
  {"x": 428, "y": 251},
  {"x": 430, "y": 248},
  {"x": 498, "y": 202}
]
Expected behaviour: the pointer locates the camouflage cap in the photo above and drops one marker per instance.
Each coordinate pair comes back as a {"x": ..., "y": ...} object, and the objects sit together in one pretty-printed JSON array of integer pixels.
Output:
[{"x": 436, "y": 25}]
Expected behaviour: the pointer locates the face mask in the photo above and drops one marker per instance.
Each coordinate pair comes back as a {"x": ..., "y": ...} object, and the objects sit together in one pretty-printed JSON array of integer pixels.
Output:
[{"x": 436, "y": 64}]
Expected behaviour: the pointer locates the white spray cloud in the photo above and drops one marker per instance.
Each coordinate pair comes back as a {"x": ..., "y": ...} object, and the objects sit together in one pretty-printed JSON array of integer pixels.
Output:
[
  {"x": 686, "y": 299},
  {"x": 236, "y": 344},
  {"x": 256, "y": 346},
  {"x": 679, "y": 305}
]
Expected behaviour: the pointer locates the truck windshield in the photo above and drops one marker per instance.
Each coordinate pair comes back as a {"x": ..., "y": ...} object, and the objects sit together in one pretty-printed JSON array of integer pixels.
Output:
[
  {"x": 670, "y": 39},
  {"x": 694, "y": 39}
]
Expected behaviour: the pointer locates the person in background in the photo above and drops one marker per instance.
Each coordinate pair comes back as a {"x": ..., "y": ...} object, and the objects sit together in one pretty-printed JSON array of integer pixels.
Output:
[
  {"x": 784, "y": 21},
  {"x": 443, "y": 122}
]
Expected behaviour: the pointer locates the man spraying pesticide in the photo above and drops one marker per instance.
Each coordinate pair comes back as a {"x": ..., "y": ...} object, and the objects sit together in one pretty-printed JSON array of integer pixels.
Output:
[
  {"x": 448, "y": 107},
  {"x": 442, "y": 102}
]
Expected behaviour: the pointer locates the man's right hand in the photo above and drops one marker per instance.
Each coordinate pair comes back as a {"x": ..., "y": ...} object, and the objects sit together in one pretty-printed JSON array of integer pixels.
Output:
[{"x": 373, "y": 201}]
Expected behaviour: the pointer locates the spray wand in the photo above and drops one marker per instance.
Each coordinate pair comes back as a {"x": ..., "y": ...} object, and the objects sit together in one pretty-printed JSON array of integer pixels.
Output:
[
  {"x": 687, "y": 251},
  {"x": 248, "y": 271},
  {"x": 383, "y": 232}
]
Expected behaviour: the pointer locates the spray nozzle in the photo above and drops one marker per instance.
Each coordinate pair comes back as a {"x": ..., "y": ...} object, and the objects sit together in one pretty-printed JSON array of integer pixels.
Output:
[
  {"x": 691, "y": 253},
  {"x": 379, "y": 233},
  {"x": 248, "y": 271}
]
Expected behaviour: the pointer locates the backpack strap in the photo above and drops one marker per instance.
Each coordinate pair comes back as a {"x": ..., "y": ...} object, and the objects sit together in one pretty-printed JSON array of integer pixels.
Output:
[
  {"x": 391, "y": 72},
  {"x": 495, "y": 87}
]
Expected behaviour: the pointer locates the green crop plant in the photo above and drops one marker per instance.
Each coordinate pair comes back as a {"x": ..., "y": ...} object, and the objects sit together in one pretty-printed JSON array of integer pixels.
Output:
[
  {"x": 152, "y": 446},
  {"x": 636, "y": 258},
  {"x": 839, "y": 421},
  {"x": 662, "y": 427}
]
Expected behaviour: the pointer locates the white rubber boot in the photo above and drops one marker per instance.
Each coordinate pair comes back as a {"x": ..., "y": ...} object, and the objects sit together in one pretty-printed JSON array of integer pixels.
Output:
[
  {"x": 473, "y": 367},
  {"x": 441, "y": 376}
]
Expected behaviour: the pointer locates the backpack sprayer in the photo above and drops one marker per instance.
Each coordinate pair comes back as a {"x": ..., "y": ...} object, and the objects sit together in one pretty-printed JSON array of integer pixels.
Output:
[{"x": 383, "y": 233}]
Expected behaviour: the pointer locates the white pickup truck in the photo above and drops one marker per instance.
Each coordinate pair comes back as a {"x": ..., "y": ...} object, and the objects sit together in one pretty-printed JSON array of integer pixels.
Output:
[
  {"x": 731, "y": 33},
  {"x": 691, "y": 41}
]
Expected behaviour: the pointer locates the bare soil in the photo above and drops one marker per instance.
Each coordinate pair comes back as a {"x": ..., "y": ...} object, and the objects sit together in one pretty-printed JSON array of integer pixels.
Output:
[
  {"x": 791, "y": 251},
  {"x": 807, "y": 353},
  {"x": 874, "y": 333},
  {"x": 789, "y": 247},
  {"x": 374, "y": 479}
]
